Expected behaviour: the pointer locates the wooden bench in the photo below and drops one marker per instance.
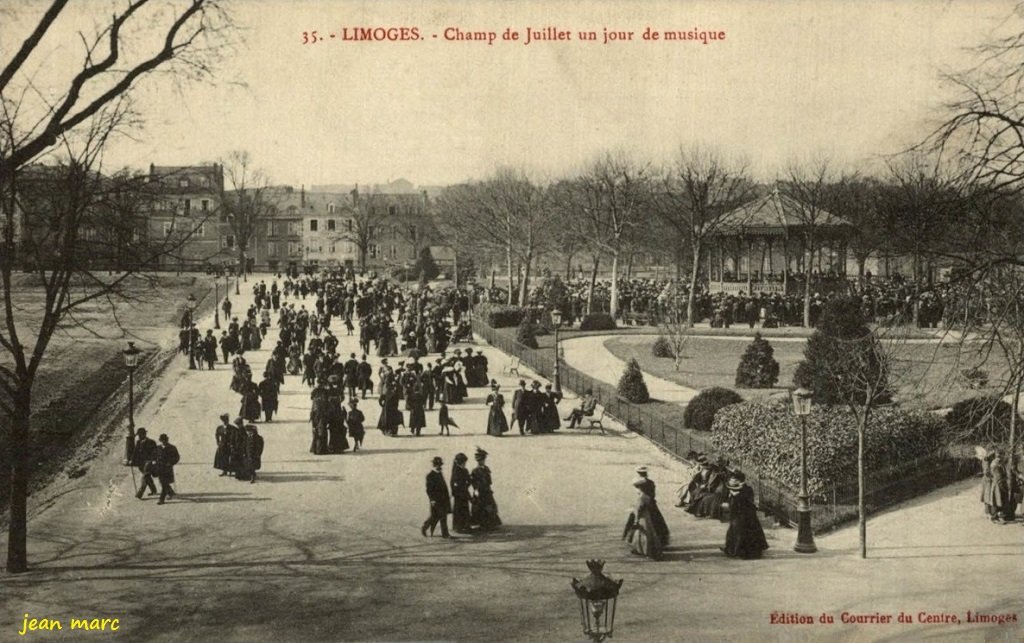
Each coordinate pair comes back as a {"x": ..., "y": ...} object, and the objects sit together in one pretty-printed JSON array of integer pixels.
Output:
[
  {"x": 513, "y": 366},
  {"x": 596, "y": 422}
]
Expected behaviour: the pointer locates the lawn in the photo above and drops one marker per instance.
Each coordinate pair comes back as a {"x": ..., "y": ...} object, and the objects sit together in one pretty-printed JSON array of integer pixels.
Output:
[
  {"x": 83, "y": 364},
  {"x": 926, "y": 374}
]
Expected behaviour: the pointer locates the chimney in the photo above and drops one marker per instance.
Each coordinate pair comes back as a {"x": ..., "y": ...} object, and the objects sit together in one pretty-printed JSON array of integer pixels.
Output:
[
  {"x": 355, "y": 194},
  {"x": 302, "y": 197},
  {"x": 152, "y": 169}
]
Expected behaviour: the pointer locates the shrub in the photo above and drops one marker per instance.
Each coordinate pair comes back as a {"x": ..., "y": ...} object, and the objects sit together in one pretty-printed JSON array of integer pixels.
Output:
[
  {"x": 981, "y": 420},
  {"x": 598, "y": 321},
  {"x": 841, "y": 356},
  {"x": 758, "y": 368},
  {"x": 769, "y": 434},
  {"x": 526, "y": 333},
  {"x": 632, "y": 386},
  {"x": 426, "y": 268},
  {"x": 501, "y": 316},
  {"x": 662, "y": 347},
  {"x": 700, "y": 412}
]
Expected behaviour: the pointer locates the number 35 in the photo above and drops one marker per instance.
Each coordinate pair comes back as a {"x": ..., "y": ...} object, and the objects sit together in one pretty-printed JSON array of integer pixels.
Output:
[{"x": 309, "y": 37}]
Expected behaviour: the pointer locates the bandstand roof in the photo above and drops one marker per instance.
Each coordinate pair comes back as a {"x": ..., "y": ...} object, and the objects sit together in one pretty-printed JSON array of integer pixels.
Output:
[{"x": 774, "y": 215}]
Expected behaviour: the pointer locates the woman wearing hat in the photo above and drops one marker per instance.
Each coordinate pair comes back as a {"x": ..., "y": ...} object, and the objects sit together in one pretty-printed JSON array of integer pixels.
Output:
[
  {"x": 532, "y": 403},
  {"x": 745, "y": 537},
  {"x": 484, "y": 512},
  {"x": 713, "y": 493},
  {"x": 646, "y": 530},
  {"x": 496, "y": 422},
  {"x": 461, "y": 484},
  {"x": 549, "y": 419}
]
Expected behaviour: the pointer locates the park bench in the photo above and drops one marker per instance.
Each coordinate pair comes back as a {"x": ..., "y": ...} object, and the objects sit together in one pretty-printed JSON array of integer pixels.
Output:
[
  {"x": 513, "y": 366},
  {"x": 596, "y": 422}
]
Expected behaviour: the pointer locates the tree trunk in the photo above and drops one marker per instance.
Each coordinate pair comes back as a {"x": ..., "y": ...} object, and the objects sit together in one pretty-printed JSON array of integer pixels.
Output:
[
  {"x": 1010, "y": 448},
  {"x": 568, "y": 266},
  {"x": 862, "y": 515},
  {"x": 17, "y": 531},
  {"x": 807, "y": 288},
  {"x": 593, "y": 283},
  {"x": 613, "y": 298},
  {"x": 524, "y": 286},
  {"x": 508, "y": 265},
  {"x": 629, "y": 266},
  {"x": 695, "y": 269}
]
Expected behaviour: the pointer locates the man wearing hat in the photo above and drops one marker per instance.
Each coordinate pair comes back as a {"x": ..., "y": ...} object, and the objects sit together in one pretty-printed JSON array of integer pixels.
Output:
[
  {"x": 143, "y": 454},
  {"x": 440, "y": 500},
  {"x": 222, "y": 434},
  {"x": 586, "y": 409},
  {"x": 166, "y": 457},
  {"x": 518, "y": 408}
]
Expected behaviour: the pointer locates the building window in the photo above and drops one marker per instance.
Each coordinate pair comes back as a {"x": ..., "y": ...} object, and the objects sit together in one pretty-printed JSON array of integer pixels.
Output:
[
  {"x": 295, "y": 227},
  {"x": 183, "y": 183},
  {"x": 294, "y": 248},
  {"x": 168, "y": 227},
  {"x": 313, "y": 223},
  {"x": 392, "y": 210},
  {"x": 412, "y": 233},
  {"x": 186, "y": 205},
  {"x": 348, "y": 225},
  {"x": 374, "y": 250},
  {"x": 330, "y": 208},
  {"x": 88, "y": 234},
  {"x": 271, "y": 249},
  {"x": 331, "y": 224},
  {"x": 229, "y": 241},
  {"x": 332, "y": 248},
  {"x": 201, "y": 230},
  {"x": 205, "y": 205},
  {"x": 394, "y": 251}
]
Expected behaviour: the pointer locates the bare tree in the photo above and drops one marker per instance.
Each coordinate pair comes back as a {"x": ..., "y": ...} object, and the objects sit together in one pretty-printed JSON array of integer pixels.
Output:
[
  {"x": 675, "y": 327},
  {"x": 615, "y": 197},
  {"x": 140, "y": 38},
  {"x": 249, "y": 202},
  {"x": 698, "y": 193}
]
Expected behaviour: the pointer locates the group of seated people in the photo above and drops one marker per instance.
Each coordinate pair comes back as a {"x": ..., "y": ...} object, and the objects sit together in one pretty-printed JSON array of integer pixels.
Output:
[{"x": 706, "y": 495}]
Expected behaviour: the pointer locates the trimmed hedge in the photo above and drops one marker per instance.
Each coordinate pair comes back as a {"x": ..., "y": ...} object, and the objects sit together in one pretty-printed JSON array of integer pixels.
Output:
[
  {"x": 769, "y": 434},
  {"x": 598, "y": 321},
  {"x": 982, "y": 420},
  {"x": 700, "y": 411},
  {"x": 662, "y": 347},
  {"x": 501, "y": 315}
]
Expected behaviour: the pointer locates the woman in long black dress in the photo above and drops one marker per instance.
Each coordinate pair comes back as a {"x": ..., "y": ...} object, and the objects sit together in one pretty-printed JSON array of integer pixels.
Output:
[
  {"x": 460, "y": 483},
  {"x": 484, "y": 512},
  {"x": 354, "y": 419},
  {"x": 496, "y": 422},
  {"x": 646, "y": 530},
  {"x": 745, "y": 538},
  {"x": 415, "y": 402},
  {"x": 549, "y": 419}
]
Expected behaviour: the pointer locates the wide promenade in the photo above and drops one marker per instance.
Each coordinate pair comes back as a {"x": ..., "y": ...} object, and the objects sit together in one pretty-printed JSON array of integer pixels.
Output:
[{"x": 328, "y": 547}]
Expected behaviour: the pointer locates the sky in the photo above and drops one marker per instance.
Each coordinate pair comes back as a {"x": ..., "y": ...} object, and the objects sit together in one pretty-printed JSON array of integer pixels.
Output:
[{"x": 791, "y": 81}]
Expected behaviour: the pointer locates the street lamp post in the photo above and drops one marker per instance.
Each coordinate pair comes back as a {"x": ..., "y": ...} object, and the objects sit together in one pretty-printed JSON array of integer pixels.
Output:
[
  {"x": 131, "y": 360},
  {"x": 216, "y": 304},
  {"x": 556, "y": 320},
  {"x": 805, "y": 535},
  {"x": 598, "y": 595},
  {"x": 191, "y": 304}
]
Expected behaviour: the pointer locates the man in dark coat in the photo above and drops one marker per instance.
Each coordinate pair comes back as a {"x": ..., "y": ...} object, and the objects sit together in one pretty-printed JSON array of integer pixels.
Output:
[
  {"x": 253, "y": 454},
  {"x": 166, "y": 457},
  {"x": 351, "y": 370},
  {"x": 143, "y": 455},
  {"x": 365, "y": 377},
  {"x": 268, "y": 396},
  {"x": 518, "y": 409},
  {"x": 440, "y": 500}
]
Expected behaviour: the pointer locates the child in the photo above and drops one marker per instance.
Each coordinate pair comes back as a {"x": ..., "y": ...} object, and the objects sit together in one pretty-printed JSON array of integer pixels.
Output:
[{"x": 444, "y": 419}]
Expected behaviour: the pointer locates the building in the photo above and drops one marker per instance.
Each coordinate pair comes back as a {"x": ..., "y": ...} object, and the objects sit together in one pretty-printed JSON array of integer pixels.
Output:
[{"x": 186, "y": 215}]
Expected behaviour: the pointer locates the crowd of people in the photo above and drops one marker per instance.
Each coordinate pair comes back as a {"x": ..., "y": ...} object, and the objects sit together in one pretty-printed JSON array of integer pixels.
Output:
[{"x": 1002, "y": 487}]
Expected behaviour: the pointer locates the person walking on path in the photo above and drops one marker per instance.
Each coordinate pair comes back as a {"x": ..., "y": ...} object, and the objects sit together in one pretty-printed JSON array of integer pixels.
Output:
[
  {"x": 166, "y": 457},
  {"x": 496, "y": 424},
  {"x": 745, "y": 537},
  {"x": 253, "y": 454},
  {"x": 222, "y": 434},
  {"x": 484, "y": 507},
  {"x": 461, "y": 485},
  {"x": 143, "y": 456},
  {"x": 354, "y": 419},
  {"x": 440, "y": 501}
]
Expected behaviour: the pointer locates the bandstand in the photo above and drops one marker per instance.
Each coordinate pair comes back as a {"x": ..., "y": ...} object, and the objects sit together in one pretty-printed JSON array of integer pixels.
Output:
[{"x": 770, "y": 244}]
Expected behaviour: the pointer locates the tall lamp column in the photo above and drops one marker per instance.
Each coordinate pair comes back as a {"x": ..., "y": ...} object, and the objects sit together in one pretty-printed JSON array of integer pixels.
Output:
[
  {"x": 556, "y": 320},
  {"x": 131, "y": 360},
  {"x": 216, "y": 304},
  {"x": 805, "y": 535}
]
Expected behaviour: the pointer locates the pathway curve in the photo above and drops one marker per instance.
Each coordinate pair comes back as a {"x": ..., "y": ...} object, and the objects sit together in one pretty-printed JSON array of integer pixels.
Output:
[{"x": 589, "y": 355}]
